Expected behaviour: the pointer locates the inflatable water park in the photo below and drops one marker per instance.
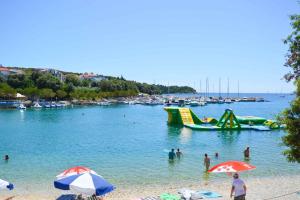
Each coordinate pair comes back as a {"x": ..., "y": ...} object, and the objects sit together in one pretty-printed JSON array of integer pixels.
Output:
[{"x": 228, "y": 121}]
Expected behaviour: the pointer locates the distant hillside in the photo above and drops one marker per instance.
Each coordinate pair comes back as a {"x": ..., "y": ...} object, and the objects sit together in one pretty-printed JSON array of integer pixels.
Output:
[{"x": 48, "y": 83}]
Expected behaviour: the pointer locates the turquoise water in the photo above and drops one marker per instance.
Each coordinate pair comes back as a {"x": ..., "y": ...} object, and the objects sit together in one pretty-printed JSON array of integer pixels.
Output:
[{"x": 128, "y": 144}]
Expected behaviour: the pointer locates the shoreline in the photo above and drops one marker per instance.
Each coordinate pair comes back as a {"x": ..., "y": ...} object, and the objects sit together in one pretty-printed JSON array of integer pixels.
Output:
[
  {"x": 194, "y": 99},
  {"x": 258, "y": 188}
]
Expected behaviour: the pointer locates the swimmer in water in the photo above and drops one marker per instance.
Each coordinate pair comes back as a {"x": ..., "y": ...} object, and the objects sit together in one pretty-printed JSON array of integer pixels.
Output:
[
  {"x": 247, "y": 153},
  {"x": 178, "y": 153},
  {"x": 172, "y": 155},
  {"x": 6, "y": 157},
  {"x": 217, "y": 155}
]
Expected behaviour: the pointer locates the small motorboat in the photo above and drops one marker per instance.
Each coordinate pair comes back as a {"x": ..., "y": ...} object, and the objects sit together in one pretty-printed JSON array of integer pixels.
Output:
[
  {"x": 47, "y": 105},
  {"x": 37, "y": 105},
  {"x": 21, "y": 107},
  {"x": 194, "y": 103},
  {"x": 227, "y": 100}
]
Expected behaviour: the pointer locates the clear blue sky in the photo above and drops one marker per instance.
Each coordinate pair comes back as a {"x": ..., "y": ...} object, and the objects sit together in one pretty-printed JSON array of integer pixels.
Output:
[{"x": 161, "y": 41}]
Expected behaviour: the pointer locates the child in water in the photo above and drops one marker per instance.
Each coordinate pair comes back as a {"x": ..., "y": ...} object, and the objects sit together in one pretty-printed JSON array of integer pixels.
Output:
[
  {"x": 217, "y": 155},
  {"x": 178, "y": 153}
]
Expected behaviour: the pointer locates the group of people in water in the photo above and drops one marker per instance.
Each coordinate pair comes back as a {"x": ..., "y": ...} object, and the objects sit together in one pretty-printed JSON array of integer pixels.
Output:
[
  {"x": 238, "y": 189},
  {"x": 207, "y": 159},
  {"x": 178, "y": 154},
  {"x": 173, "y": 155}
]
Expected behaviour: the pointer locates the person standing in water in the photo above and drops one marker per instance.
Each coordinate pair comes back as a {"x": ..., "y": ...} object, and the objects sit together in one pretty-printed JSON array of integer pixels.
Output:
[
  {"x": 238, "y": 188},
  {"x": 216, "y": 155},
  {"x": 172, "y": 155},
  {"x": 206, "y": 162},
  {"x": 178, "y": 153},
  {"x": 6, "y": 157},
  {"x": 247, "y": 153}
]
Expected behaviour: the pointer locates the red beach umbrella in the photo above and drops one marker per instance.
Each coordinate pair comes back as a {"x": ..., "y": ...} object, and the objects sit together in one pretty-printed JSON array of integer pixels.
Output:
[
  {"x": 75, "y": 171},
  {"x": 231, "y": 166}
]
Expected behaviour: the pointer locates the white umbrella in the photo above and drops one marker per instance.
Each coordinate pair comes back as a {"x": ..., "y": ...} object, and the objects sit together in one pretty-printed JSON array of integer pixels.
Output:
[{"x": 18, "y": 95}]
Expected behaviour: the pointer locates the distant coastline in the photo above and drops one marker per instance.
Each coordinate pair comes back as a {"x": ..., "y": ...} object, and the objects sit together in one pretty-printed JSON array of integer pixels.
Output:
[{"x": 51, "y": 84}]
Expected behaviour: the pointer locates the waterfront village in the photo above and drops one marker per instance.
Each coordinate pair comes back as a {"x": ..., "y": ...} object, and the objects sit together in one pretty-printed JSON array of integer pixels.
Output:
[{"x": 23, "y": 101}]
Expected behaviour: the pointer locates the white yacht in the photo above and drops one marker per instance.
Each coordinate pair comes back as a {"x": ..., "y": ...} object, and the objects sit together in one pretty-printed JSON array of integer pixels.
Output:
[
  {"x": 227, "y": 100},
  {"x": 194, "y": 103}
]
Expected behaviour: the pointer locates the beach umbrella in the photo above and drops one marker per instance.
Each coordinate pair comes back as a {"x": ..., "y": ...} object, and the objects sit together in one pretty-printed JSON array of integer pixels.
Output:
[
  {"x": 6, "y": 185},
  {"x": 231, "y": 166},
  {"x": 75, "y": 171},
  {"x": 18, "y": 95},
  {"x": 86, "y": 183}
]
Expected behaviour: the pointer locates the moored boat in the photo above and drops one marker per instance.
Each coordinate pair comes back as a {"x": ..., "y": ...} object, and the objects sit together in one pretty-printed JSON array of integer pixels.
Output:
[
  {"x": 21, "y": 107},
  {"x": 36, "y": 105}
]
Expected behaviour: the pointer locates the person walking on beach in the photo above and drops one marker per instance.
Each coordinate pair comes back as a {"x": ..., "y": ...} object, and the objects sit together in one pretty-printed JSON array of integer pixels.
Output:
[
  {"x": 247, "y": 153},
  {"x": 238, "y": 188},
  {"x": 172, "y": 155},
  {"x": 178, "y": 153},
  {"x": 206, "y": 162}
]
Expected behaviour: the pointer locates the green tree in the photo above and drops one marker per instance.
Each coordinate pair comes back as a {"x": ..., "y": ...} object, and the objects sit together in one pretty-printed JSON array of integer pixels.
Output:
[
  {"x": 47, "y": 93},
  {"x": 291, "y": 116},
  {"x": 60, "y": 94},
  {"x": 35, "y": 75},
  {"x": 7, "y": 92},
  {"x": 2, "y": 80},
  {"x": 47, "y": 80},
  {"x": 74, "y": 79},
  {"x": 68, "y": 87},
  {"x": 86, "y": 83},
  {"x": 19, "y": 81},
  {"x": 31, "y": 92}
]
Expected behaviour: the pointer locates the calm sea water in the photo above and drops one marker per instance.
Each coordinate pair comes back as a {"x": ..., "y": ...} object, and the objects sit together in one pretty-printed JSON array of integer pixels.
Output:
[{"x": 128, "y": 144}]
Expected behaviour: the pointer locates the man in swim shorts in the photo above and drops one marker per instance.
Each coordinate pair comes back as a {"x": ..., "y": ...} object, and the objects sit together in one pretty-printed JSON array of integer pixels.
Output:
[
  {"x": 206, "y": 162},
  {"x": 247, "y": 153},
  {"x": 172, "y": 155}
]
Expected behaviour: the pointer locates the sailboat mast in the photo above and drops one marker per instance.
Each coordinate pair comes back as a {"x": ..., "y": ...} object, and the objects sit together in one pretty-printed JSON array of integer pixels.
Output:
[
  {"x": 227, "y": 87},
  {"x": 238, "y": 88},
  {"x": 219, "y": 87},
  {"x": 207, "y": 87},
  {"x": 200, "y": 88}
]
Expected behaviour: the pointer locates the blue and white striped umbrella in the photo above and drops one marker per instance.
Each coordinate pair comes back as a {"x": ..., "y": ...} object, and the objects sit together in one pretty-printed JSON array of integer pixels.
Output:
[
  {"x": 6, "y": 185},
  {"x": 86, "y": 183}
]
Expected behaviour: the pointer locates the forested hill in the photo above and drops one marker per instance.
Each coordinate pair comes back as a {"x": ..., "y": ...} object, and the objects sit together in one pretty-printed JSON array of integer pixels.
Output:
[{"x": 49, "y": 83}]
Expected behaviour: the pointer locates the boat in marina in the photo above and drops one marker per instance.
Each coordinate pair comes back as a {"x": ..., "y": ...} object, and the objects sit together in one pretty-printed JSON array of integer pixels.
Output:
[
  {"x": 248, "y": 99},
  {"x": 59, "y": 105},
  {"x": 260, "y": 100},
  {"x": 9, "y": 104},
  {"x": 221, "y": 101},
  {"x": 181, "y": 103},
  {"x": 103, "y": 103},
  {"x": 47, "y": 105},
  {"x": 227, "y": 100},
  {"x": 21, "y": 107},
  {"x": 194, "y": 103},
  {"x": 37, "y": 105}
]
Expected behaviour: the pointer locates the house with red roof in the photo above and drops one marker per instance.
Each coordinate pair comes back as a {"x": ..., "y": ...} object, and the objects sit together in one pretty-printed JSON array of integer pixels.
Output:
[{"x": 5, "y": 71}]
